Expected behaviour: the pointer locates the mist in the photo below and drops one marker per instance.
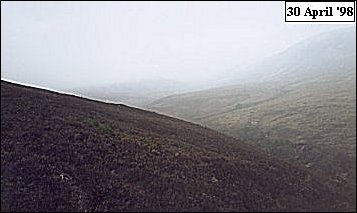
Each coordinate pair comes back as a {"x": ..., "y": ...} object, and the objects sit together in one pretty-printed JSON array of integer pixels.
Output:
[
  {"x": 176, "y": 106},
  {"x": 63, "y": 45}
]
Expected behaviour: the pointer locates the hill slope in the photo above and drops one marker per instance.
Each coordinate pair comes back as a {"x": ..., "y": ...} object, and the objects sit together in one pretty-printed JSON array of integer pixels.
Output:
[
  {"x": 63, "y": 153},
  {"x": 323, "y": 56},
  {"x": 301, "y": 106}
]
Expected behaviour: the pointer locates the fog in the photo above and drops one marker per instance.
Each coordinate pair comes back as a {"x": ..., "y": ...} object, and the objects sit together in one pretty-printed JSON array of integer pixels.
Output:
[{"x": 63, "y": 45}]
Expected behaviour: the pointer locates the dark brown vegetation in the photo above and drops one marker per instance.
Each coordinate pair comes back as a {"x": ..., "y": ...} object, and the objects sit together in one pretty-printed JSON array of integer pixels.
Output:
[{"x": 63, "y": 153}]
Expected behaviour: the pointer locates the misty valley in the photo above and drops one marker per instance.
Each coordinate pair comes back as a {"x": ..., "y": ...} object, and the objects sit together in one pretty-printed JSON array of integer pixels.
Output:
[
  {"x": 175, "y": 107},
  {"x": 298, "y": 105}
]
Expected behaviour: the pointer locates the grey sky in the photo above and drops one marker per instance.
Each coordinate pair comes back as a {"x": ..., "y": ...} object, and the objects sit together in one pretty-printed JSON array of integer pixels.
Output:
[{"x": 70, "y": 44}]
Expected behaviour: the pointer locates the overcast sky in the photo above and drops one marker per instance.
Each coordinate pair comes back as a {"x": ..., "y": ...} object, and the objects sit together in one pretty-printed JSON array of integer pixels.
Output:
[{"x": 70, "y": 44}]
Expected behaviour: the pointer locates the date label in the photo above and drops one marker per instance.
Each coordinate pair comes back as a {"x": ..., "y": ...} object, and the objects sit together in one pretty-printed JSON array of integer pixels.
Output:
[{"x": 320, "y": 11}]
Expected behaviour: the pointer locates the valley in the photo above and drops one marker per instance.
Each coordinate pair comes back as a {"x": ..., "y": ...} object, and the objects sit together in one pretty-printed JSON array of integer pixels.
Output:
[
  {"x": 304, "y": 113},
  {"x": 64, "y": 153}
]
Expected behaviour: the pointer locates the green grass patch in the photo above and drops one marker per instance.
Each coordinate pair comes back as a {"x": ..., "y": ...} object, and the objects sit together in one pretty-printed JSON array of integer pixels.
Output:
[{"x": 106, "y": 128}]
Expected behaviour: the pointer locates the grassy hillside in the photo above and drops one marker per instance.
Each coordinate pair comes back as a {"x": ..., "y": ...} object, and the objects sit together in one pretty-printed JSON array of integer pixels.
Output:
[
  {"x": 312, "y": 123},
  {"x": 302, "y": 110},
  {"x": 63, "y": 153}
]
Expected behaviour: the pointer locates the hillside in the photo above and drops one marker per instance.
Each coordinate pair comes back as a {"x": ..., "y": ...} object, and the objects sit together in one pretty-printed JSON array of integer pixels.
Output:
[
  {"x": 301, "y": 106},
  {"x": 64, "y": 153},
  {"x": 323, "y": 56}
]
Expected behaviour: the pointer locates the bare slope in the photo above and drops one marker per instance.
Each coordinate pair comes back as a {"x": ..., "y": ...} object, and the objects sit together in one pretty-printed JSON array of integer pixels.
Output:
[{"x": 63, "y": 153}]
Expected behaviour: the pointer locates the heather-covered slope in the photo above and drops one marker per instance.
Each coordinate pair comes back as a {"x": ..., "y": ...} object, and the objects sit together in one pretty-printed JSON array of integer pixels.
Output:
[{"x": 63, "y": 153}]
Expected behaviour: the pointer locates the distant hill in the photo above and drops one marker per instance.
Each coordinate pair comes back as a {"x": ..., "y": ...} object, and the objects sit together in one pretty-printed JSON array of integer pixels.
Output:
[
  {"x": 64, "y": 153},
  {"x": 323, "y": 56},
  {"x": 138, "y": 93},
  {"x": 299, "y": 105}
]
